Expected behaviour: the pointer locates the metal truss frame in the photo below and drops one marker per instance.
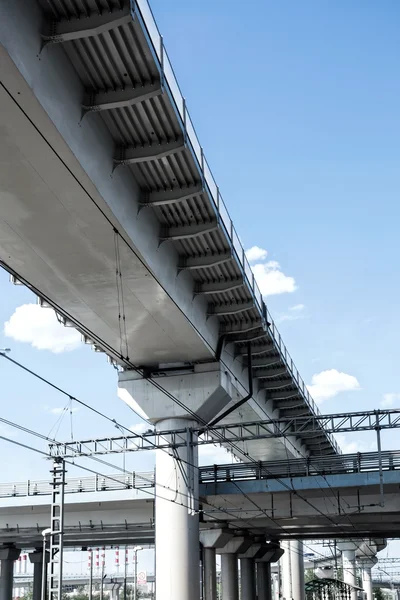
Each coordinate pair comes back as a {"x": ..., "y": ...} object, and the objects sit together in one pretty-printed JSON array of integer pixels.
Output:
[{"x": 307, "y": 427}]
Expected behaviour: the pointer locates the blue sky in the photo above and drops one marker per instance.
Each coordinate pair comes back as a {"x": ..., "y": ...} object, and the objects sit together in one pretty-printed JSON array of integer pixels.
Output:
[{"x": 296, "y": 106}]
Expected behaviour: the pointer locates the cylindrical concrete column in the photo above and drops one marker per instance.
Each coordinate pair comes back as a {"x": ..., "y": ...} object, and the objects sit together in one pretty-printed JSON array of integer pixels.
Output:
[
  {"x": 286, "y": 571},
  {"x": 8, "y": 555},
  {"x": 264, "y": 583},
  {"x": 349, "y": 570},
  {"x": 367, "y": 582},
  {"x": 209, "y": 574},
  {"x": 177, "y": 519},
  {"x": 247, "y": 578},
  {"x": 297, "y": 569},
  {"x": 39, "y": 572},
  {"x": 229, "y": 577}
]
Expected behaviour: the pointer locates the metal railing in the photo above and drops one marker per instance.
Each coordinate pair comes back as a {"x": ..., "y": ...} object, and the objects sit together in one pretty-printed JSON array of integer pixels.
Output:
[
  {"x": 319, "y": 466},
  {"x": 161, "y": 56},
  {"x": 76, "y": 485}
]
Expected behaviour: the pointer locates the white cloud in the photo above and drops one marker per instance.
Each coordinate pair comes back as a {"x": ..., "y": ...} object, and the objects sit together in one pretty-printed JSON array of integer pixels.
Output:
[
  {"x": 355, "y": 445},
  {"x": 39, "y": 327},
  {"x": 297, "y": 308},
  {"x": 255, "y": 253},
  {"x": 388, "y": 400},
  {"x": 140, "y": 428},
  {"x": 271, "y": 280},
  {"x": 328, "y": 384}
]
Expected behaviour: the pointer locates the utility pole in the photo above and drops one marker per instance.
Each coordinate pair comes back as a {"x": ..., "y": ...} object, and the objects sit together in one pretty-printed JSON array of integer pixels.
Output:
[{"x": 91, "y": 574}]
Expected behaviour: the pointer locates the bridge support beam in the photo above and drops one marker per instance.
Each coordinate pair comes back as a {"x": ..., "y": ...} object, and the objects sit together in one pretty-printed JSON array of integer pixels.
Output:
[
  {"x": 178, "y": 401},
  {"x": 8, "y": 555},
  {"x": 39, "y": 572}
]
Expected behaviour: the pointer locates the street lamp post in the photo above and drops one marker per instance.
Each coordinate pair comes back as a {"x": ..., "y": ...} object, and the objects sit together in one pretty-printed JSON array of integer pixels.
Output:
[
  {"x": 45, "y": 532},
  {"x": 135, "y": 551}
]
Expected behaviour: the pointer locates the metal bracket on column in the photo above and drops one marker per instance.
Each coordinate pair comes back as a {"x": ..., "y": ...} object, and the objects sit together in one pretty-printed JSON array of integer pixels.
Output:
[{"x": 57, "y": 529}]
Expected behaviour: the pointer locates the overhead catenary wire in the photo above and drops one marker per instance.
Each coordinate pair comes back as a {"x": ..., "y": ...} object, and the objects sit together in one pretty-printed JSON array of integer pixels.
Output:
[
  {"x": 289, "y": 488},
  {"x": 106, "y": 463},
  {"x": 153, "y": 494}
]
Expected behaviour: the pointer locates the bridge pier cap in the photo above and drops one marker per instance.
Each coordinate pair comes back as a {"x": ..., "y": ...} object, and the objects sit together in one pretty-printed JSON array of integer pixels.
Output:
[{"x": 206, "y": 392}]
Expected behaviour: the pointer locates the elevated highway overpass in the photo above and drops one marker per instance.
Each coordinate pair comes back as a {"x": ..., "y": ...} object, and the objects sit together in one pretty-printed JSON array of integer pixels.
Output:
[
  {"x": 278, "y": 500},
  {"x": 110, "y": 213}
]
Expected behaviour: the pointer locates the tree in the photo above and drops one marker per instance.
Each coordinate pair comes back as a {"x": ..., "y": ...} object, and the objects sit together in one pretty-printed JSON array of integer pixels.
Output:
[{"x": 309, "y": 575}]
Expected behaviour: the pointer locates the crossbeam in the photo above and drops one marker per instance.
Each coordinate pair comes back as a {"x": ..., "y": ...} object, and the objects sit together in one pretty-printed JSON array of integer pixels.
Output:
[
  {"x": 171, "y": 196},
  {"x": 138, "y": 154},
  {"x": 203, "y": 261},
  {"x": 232, "y": 308},
  {"x": 189, "y": 231},
  {"x": 95, "y": 23},
  {"x": 121, "y": 98},
  {"x": 303, "y": 426},
  {"x": 224, "y": 285}
]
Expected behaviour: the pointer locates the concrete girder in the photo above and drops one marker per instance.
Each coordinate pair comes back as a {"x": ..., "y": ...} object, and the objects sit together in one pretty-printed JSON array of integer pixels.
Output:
[
  {"x": 252, "y": 337},
  {"x": 231, "y": 308},
  {"x": 87, "y": 26},
  {"x": 171, "y": 196},
  {"x": 265, "y": 361},
  {"x": 138, "y": 154},
  {"x": 121, "y": 98},
  {"x": 205, "y": 260},
  {"x": 188, "y": 231},
  {"x": 233, "y": 330},
  {"x": 260, "y": 349},
  {"x": 277, "y": 385},
  {"x": 217, "y": 287},
  {"x": 283, "y": 395},
  {"x": 266, "y": 373}
]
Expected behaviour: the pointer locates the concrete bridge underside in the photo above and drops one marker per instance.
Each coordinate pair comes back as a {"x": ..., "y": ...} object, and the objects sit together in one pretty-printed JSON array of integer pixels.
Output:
[{"x": 110, "y": 216}]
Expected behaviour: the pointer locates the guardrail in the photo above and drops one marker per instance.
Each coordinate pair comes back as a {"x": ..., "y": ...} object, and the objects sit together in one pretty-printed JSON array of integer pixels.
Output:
[
  {"x": 161, "y": 55},
  {"x": 95, "y": 483},
  {"x": 330, "y": 465},
  {"x": 366, "y": 462}
]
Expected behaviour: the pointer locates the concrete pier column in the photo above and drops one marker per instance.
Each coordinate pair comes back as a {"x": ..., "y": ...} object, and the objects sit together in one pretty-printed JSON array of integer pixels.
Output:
[
  {"x": 8, "y": 555},
  {"x": 229, "y": 566},
  {"x": 366, "y": 564},
  {"x": 209, "y": 574},
  {"x": 272, "y": 553},
  {"x": 211, "y": 539},
  {"x": 248, "y": 578},
  {"x": 286, "y": 571},
  {"x": 297, "y": 569},
  {"x": 264, "y": 583},
  {"x": 348, "y": 550},
  {"x": 39, "y": 570},
  {"x": 174, "y": 398},
  {"x": 229, "y": 577},
  {"x": 177, "y": 518}
]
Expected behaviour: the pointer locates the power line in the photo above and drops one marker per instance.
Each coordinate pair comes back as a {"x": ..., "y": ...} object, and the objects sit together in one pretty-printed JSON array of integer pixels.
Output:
[{"x": 54, "y": 386}]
